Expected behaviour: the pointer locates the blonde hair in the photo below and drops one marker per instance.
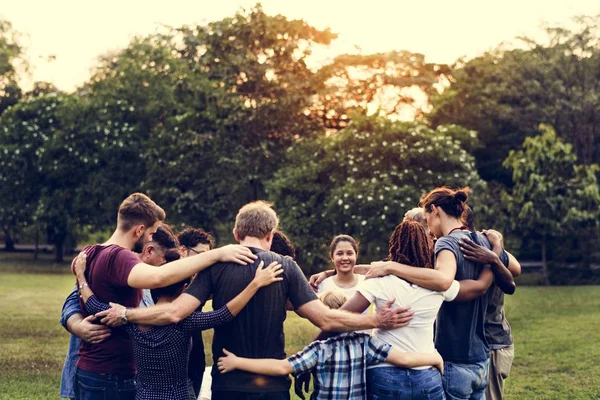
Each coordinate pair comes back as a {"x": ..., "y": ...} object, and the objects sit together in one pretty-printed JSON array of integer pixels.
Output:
[
  {"x": 256, "y": 219},
  {"x": 333, "y": 299},
  {"x": 415, "y": 214}
]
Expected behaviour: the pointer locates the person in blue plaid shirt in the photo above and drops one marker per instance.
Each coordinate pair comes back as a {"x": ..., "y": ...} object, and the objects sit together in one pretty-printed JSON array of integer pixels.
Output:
[{"x": 339, "y": 364}]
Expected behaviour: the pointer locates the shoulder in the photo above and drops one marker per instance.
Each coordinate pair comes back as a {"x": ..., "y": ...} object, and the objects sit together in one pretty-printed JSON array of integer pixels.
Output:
[{"x": 448, "y": 242}]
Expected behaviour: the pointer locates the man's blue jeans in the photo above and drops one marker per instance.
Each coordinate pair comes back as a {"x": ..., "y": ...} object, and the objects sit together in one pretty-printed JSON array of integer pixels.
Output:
[
  {"x": 92, "y": 386},
  {"x": 387, "y": 383},
  {"x": 465, "y": 381}
]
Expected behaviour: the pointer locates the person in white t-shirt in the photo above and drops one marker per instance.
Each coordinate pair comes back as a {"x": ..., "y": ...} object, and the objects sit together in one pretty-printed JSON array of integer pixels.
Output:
[
  {"x": 343, "y": 252},
  {"x": 408, "y": 245}
]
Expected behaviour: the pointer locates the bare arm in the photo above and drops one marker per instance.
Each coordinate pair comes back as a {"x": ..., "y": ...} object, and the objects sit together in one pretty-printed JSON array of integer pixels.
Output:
[
  {"x": 337, "y": 320},
  {"x": 144, "y": 276},
  {"x": 471, "y": 289},
  {"x": 357, "y": 304},
  {"x": 481, "y": 254},
  {"x": 265, "y": 366},
  {"x": 413, "y": 360},
  {"x": 513, "y": 265},
  {"x": 439, "y": 279}
]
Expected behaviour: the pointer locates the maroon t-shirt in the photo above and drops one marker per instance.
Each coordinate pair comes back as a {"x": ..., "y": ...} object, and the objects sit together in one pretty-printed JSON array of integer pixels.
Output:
[{"x": 107, "y": 270}]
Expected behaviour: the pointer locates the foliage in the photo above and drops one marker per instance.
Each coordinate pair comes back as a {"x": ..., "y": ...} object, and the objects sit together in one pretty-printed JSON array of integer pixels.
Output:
[
  {"x": 11, "y": 57},
  {"x": 505, "y": 94},
  {"x": 362, "y": 180},
  {"x": 553, "y": 195}
]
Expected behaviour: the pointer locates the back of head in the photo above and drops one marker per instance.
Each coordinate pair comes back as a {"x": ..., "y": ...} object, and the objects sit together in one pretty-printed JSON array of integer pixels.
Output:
[
  {"x": 415, "y": 214},
  {"x": 282, "y": 245},
  {"x": 138, "y": 209},
  {"x": 165, "y": 237},
  {"x": 256, "y": 219},
  {"x": 453, "y": 202},
  {"x": 192, "y": 237},
  {"x": 333, "y": 299},
  {"x": 174, "y": 289},
  {"x": 409, "y": 245}
]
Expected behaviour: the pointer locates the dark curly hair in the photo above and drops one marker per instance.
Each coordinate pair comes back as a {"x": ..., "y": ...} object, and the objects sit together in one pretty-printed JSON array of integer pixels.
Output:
[
  {"x": 408, "y": 245},
  {"x": 192, "y": 237},
  {"x": 165, "y": 237},
  {"x": 282, "y": 245}
]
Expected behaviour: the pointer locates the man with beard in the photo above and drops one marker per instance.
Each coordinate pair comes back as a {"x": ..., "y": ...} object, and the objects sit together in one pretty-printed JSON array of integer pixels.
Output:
[{"x": 115, "y": 273}]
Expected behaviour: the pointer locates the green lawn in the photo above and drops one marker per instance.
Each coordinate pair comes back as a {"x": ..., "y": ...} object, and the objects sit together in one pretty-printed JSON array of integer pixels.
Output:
[{"x": 556, "y": 333}]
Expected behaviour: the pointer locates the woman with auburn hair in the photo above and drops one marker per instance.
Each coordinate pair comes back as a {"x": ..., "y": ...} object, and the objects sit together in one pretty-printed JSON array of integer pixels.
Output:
[
  {"x": 408, "y": 245},
  {"x": 460, "y": 336}
]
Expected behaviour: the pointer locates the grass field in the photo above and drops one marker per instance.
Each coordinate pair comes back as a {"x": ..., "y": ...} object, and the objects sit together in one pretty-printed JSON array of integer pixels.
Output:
[{"x": 556, "y": 332}]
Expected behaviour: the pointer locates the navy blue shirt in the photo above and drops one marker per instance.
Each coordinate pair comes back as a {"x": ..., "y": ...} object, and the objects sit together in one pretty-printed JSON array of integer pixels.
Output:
[{"x": 460, "y": 326}]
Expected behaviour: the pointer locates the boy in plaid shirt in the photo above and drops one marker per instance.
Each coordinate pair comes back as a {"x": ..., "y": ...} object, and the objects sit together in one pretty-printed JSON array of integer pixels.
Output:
[{"x": 339, "y": 364}]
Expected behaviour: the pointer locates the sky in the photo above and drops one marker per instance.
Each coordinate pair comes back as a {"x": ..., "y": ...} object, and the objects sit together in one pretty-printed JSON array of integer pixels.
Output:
[{"x": 77, "y": 32}]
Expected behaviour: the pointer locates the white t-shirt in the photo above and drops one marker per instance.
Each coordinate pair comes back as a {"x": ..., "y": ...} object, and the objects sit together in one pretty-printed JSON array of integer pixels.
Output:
[
  {"x": 329, "y": 284},
  {"x": 417, "y": 337}
]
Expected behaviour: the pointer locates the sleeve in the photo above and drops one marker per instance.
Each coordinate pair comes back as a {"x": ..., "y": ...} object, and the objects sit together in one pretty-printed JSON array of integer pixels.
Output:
[
  {"x": 205, "y": 392},
  {"x": 201, "y": 286},
  {"x": 299, "y": 291},
  {"x": 305, "y": 360},
  {"x": 93, "y": 305},
  {"x": 122, "y": 264},
  {"x": 368, "y": 289},
  {"x": 377, "y": 351},
  {"x": 447, "y": 243},
  {"x": 504, "y": 258},
  {"x": 197, "y": 321},
  {"x": 70, "y": 307},
  {"x": 452, "y": 292}
]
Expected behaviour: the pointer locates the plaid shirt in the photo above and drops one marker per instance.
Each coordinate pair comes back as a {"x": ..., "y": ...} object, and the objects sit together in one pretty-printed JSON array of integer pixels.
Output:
[{"x": 339, "y": 364}]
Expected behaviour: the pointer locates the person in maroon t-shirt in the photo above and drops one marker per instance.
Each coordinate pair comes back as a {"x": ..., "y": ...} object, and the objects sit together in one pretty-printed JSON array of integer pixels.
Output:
[{"x": 116, "y": 274}]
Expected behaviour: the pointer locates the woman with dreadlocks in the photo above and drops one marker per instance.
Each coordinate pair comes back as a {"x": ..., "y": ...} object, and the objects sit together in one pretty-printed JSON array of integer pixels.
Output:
[{"x": 408, "y": 245}]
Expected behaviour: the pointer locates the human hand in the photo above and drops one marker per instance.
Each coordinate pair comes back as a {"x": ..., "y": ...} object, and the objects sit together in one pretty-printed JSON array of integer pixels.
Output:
[
  {"x": 112, "y": 316},
  {"x": 80, "y": 264},
  {"x": 236, "y": 253},
  {"x": 388, "y": 318},
  {"x": 378, "y": 269},
  {"x": 228, "y": 363},
  {"x": 439, "y": 364},
  {"x": 495, "y": 237},
  {"x": 89, "y": 332},
  {"x": 302, "y": 380},
  {"x": 316, "y": 279},
  {"x": 266, "y": 276},
  {"x": 474, "y": 252}
]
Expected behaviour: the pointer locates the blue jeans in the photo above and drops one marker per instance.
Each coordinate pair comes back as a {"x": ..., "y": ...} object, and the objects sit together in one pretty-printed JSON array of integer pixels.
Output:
[
  {"x": 387, "y": 383},
  {"x": 92, "y": 386},
  {"x": 465, "y": 381}
]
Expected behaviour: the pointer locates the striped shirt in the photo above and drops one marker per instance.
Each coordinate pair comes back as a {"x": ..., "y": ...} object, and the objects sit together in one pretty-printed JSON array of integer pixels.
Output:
[{"x": 339, "y": 364}]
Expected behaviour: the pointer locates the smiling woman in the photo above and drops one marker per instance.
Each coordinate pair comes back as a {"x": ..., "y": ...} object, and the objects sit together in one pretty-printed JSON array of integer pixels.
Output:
[{"x": 343, "y": 252}]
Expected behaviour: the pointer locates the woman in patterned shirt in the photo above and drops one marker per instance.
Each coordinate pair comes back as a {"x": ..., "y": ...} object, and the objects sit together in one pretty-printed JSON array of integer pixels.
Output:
[{"x": 161, "y": 352}]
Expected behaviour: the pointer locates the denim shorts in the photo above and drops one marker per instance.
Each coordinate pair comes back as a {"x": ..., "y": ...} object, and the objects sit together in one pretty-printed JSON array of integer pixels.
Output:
[{"x": 387, "y": 383}]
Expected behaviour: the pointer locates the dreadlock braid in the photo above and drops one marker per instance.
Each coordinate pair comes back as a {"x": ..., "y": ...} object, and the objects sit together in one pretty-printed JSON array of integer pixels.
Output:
[{"x": 408, "y": 245}]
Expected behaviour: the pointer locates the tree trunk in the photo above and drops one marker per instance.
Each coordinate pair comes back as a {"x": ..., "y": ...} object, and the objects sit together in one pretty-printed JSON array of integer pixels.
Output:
[
  {"x": 9, "y": 242},
  {"x": 545, "y": 262},
  {"x": 59, "y": 246},
  {"x": 36, "y": 250}
]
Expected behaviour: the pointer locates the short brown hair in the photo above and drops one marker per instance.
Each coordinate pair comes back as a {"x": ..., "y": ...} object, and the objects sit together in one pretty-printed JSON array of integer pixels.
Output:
[
  {"x": 453, "y": 202},
  {"x": 138, "y": 209},
  {"x": 333, "y": 299},
  {"x": 256, "y": 219}
]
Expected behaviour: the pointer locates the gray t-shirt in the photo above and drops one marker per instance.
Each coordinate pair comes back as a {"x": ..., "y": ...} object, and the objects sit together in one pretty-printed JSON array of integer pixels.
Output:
[
  {"x": 257, "y": 331},
  {"x": 497, "y": 329},
  {"x": 460, "y": 326}
]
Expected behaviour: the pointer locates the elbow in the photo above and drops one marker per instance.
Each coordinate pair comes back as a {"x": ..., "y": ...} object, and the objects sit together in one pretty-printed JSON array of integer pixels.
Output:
[
  {"x": 444, "y": 284},
  {"x": 510, "y": 289},
  {"x": 173, "y": 315}
]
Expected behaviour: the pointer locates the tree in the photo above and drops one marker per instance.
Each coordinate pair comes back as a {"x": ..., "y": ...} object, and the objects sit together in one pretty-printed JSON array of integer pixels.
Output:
[
  {"x": 362, "y": 180},
  {"x": 11, "y": 57},
  {"x": 506, "y": 94},
  {"x": 553, "y": 195},
  {"x": 394, "y": 84}
]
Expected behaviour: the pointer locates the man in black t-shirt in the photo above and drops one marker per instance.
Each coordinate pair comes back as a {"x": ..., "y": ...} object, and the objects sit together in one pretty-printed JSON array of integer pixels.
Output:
[{"x": 257, "y": 332}]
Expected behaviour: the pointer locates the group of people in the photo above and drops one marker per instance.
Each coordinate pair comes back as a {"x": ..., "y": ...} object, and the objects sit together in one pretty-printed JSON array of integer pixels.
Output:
[{"x": 438, "y": 328}]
